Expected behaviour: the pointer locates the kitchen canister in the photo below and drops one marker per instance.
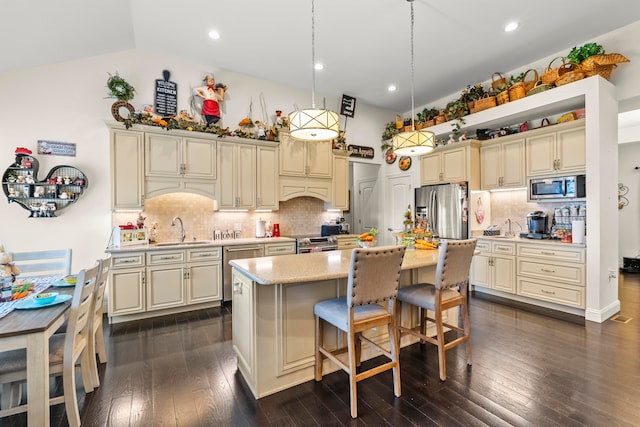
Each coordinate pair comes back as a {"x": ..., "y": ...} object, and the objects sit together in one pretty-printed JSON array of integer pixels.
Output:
[{"x": 577, "y": 231}]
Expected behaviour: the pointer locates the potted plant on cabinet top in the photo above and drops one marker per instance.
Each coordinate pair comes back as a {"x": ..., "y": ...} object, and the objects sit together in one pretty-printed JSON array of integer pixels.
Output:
[
  {"x": 471, "y": 94},
  {"x": 427, "y": 117}
]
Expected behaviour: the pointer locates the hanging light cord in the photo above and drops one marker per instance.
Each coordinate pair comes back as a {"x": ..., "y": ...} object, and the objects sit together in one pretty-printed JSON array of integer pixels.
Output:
[
  {"x": 413, "y": 126},
  {"x": 313, "y": 54}
]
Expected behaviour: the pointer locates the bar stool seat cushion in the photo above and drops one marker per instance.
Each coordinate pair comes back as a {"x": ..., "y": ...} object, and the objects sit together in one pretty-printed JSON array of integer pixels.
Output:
[
  {"x": 424, "y": 295},
  {"x": 336, "y": 312}
]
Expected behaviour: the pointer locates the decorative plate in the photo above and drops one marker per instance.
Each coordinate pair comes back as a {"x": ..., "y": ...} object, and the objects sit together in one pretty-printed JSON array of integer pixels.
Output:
[
  {"x": 390, "y": 157},
  {"x": 404, "y": 163},
  {"x": 29, "y": 303},
  {"x": 63, "y": 284}
]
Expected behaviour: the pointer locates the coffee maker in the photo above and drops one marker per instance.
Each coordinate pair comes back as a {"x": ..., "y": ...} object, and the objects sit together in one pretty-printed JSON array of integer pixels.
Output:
[{"x": 538, "y": 225}]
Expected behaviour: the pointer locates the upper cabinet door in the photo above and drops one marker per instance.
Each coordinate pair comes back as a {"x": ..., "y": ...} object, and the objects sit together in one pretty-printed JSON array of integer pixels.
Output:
[
  {"x": 512, "y": 167},
  {"x": 454, "y": 165},
  {"x": 293, "y": 156},
  {"x": 541, "y": 154},
  {"x": 163, "y": 155},
  {"x": 490, "y": 163},
  {"x": 199, "y": 158},
  {"x": 319, "y": 159},
  {"x": 127, "y": 169},
  {"x": 571, "y": 150},
  {"x": 430, "y": 169}
]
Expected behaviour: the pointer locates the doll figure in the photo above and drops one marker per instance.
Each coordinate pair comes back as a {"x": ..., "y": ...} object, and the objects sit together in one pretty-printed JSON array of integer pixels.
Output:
[{"x": 213, "y": 95}]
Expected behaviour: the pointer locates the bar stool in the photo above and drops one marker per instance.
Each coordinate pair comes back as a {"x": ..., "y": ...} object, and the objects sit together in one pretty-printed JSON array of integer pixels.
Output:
[
  {"x": 452, "y": 272},
  {"x": 374, "y": 275}
]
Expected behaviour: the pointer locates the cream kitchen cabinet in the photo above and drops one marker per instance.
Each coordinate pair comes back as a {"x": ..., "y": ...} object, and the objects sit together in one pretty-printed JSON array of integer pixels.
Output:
[
  {"x": 313, "y": 159},
  {"x": 237, "y": 175},
  {"x": 179, "y": 156},
  {"x": 452, "y": 163},
  {"x": 340, "y": 193},
  {"x": 494, "y": 266},
  {"x": 502, "y": 163},
  {"x": 165, "y": 279},
  {"x": 126, "y": 284},
  {"x": 554, "y": 274},
  {"x": 204, "y": 275},
  {"x": 267, "y": 178},
  {"x": 127, "y": 169},
  {"x": 557, "y": 149},
  {"x": 156, "y": 282}
]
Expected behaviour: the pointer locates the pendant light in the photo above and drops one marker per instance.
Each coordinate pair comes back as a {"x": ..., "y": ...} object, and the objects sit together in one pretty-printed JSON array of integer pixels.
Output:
[
  {"x": 314, "y": 124},
  {"x": 414, "y": 142}
]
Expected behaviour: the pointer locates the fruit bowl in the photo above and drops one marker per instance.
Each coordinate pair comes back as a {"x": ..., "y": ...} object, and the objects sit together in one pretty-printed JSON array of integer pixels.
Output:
[
  {"x": 364, "y": 244},
  {"x": 45, "y": 298}
]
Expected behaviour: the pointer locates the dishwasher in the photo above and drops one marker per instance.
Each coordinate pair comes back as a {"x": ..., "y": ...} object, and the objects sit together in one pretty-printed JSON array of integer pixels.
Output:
[{"x": 236, "y": 252}]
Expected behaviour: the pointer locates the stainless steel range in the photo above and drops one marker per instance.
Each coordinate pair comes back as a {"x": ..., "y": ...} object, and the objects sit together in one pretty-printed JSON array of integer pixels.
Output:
[{"x": 306, "y": 244}]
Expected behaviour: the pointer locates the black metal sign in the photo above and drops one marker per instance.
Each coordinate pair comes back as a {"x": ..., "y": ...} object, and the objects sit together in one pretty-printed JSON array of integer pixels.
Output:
[
  {"x": 166, "y": 96},
  {"x": 348, "y": 106},
  {"x": 360, "y": 151}
]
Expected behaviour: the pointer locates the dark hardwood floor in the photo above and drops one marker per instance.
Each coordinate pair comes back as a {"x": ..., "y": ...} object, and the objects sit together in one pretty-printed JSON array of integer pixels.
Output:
[{"x": 529, "y": 370}]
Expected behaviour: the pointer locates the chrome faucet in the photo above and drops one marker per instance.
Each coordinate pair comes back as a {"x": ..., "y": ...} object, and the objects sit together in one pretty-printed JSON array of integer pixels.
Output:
[{"x": 173, "y": 223}]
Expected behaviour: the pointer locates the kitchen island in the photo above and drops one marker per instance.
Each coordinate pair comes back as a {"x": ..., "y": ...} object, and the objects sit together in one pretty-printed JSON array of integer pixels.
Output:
[{"x": 273, "y": 322}]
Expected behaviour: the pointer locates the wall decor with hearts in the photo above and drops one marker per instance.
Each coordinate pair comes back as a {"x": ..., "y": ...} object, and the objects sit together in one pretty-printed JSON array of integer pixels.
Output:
[{"x": 62, "y": 186}]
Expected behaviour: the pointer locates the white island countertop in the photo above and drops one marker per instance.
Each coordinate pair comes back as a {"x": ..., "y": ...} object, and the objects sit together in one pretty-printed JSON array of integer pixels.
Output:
[{"x": 316, "y": 266}]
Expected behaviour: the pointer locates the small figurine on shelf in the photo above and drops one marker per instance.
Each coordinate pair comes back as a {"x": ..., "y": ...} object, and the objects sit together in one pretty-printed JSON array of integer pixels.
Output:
[
  {"x": 408, "y": 223},
  {"x": 140, "y": 220},
  {"x": 153, "y": 232}
]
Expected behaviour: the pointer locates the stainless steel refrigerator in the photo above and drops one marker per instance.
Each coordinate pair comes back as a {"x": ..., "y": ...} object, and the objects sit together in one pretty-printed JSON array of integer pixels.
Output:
[{"x": 444, "y": 206}]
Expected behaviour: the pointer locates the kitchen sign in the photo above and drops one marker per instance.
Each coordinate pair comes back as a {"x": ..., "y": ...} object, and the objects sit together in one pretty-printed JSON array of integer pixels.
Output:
[
  {"x": 360, "y": 151},
  {"x": 348, "y": 106},
  {"x": 56, "y": 148},
  {"x": 166, "y": 96}
]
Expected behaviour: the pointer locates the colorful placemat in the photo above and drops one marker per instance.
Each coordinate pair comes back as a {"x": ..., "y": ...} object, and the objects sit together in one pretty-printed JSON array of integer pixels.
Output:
[{"x": 40, "y": 284}]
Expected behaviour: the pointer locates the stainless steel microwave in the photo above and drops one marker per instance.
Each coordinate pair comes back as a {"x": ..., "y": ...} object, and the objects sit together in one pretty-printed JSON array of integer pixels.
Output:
[{"x": 557, "y": 188}]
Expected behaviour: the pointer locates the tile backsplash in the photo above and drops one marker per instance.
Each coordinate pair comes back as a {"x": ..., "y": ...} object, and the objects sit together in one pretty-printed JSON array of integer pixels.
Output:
[{"x": 302, "y": 215}]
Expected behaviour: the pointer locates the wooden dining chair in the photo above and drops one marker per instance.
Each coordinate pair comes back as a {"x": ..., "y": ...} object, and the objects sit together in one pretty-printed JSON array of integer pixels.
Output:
[
  {"x": 374, "y": 275},
  {"x": 96, "y": 344},
  {"x": 40, "y": 263},
  {"x": 65, "y": 351},
  {"x": 450, "y": 289}
]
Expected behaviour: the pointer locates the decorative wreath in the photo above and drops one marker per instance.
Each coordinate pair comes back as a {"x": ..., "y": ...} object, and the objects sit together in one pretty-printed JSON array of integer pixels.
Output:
[{"x": 119, "y": 88}]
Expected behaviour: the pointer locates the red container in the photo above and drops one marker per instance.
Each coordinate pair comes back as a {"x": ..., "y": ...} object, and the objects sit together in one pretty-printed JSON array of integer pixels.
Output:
[{"x": 276, "y": 230}]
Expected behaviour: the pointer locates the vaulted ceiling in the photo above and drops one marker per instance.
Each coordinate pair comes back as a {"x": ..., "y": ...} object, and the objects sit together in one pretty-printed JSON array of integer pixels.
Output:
[{"x": 363, "y": 44}]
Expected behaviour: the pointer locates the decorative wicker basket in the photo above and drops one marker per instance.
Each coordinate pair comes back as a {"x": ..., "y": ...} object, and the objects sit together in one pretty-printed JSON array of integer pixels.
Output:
[
  {"x": 430, "y": 123},
  {"x": 501, "y": 80},
  {"x": 502, "y": 97},
  {"x": 539, "y": 87},
  {"x": 517, "y": 91},
  {"x": 529, "y": 84},
  {"x": 441, "y": 118},
  {"x": 602, "y": 65},
  {"x": 550, "y": 75},
  {"x": 486, "y": 102},
  {"x": 569, "y": 73}
]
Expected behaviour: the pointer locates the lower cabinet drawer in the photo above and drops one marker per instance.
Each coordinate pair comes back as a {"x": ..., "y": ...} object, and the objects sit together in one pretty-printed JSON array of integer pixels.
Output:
[
  {"x": 560, "y": 294},
  {"x": 127, "y": 261},
  {"x": 571, "y": 274}
]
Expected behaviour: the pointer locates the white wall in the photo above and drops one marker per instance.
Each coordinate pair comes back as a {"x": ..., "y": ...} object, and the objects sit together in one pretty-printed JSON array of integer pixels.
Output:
[
  {"x": 67, "y": 102},
  {"x": 629, "y": 216}
]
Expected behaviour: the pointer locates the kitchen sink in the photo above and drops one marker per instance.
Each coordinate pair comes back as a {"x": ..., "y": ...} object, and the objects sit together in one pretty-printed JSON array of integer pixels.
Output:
[{"x": 188, "y": 243}]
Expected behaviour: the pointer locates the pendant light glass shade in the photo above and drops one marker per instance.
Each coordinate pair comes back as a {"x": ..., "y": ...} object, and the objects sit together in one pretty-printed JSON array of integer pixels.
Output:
[
  {"x": 413, "y": 142},
  {"x": 314, "y": 124}
]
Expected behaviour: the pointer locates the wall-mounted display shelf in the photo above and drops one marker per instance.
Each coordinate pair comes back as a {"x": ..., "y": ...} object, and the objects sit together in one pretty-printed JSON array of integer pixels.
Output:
[{"x": 62, "y": 186}]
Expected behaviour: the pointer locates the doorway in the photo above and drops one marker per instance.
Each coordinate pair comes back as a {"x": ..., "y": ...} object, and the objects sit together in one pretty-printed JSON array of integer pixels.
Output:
[{"x": 365, "y": 194}]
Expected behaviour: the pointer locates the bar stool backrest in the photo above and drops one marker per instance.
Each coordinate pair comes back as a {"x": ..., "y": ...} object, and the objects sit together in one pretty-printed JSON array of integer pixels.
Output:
[
  {"x": 454, "y": 263},
  {"x": 374, "y": 274}
]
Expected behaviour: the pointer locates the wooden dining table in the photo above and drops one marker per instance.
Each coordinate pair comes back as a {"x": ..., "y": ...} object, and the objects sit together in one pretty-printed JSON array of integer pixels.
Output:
[{"x": 31, "y": 330}]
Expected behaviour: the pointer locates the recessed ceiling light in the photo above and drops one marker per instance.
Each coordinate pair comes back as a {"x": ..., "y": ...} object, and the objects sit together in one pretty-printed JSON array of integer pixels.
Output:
[
  {"x": 511, "y": 26},
  {"x": 214, "y": 34},
  {"x": 392, "y": 88},
  {"x": 319, "y": 66}
]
